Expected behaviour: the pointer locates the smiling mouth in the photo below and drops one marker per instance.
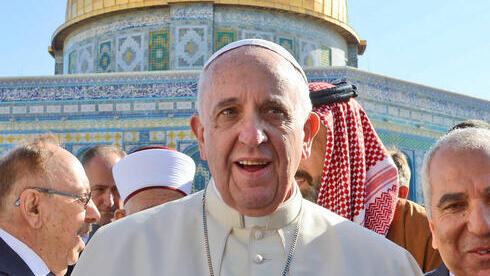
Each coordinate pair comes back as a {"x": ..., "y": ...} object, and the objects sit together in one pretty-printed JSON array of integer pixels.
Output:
[
  {"x": 252, "y": 166},
  {"x": 483, "y": 252}
]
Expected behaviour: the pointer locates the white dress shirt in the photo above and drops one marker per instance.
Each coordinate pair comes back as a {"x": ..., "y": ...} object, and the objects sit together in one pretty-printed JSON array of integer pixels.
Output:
[{"x": 33, "y": 261}]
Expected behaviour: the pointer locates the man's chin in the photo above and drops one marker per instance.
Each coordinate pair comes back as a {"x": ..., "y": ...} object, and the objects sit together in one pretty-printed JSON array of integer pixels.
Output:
[
  {"x": 309, "y": 193},
  {"x": 106, "y": 218},
  {"x": 72, "y": 258}
]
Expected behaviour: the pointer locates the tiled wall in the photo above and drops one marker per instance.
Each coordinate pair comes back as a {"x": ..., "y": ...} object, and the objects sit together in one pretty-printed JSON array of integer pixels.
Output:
[
  {"x": 153, "y": 108},
  {"x": 183, "y": 36}
]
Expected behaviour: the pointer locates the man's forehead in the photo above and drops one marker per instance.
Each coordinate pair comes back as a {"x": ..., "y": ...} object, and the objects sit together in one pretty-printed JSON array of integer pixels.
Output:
[{"x": 465, "y": 171}]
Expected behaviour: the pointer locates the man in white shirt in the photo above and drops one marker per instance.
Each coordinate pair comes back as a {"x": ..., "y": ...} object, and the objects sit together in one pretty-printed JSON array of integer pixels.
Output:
[
  {"x": 254, "y": 125},
  {"x": 45, "y": 208}
]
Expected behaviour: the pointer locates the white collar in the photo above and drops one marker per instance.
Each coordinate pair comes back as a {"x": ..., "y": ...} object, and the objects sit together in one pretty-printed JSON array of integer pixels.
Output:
[
  {"x": 33, "y": 261},
  {"x": 224, "y": 214}
]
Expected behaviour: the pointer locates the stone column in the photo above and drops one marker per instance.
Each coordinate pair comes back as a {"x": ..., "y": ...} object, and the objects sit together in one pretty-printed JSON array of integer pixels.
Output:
[
  {"x": 58, "y": 62},
  {"x": 352, "y": 55}
]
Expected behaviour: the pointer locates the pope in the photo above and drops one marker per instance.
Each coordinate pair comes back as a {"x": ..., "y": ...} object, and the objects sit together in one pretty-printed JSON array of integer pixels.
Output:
[{"x": 254, "y": 125}]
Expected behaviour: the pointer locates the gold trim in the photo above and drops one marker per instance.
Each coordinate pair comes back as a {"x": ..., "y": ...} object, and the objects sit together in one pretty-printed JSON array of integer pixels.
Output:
[
  {"x": 67, "y": 125},
  {"x": 315, "y": 8}
]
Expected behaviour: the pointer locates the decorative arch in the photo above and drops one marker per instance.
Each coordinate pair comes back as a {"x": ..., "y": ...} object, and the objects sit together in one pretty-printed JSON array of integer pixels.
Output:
[{"x": 203, "y": 174}]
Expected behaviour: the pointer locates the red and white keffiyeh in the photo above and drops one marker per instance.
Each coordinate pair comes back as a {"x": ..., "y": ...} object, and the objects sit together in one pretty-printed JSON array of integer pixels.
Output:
[{"x": 359, "y": 180}]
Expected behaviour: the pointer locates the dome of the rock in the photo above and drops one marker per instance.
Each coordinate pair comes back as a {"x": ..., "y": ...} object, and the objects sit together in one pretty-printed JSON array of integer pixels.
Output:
[{"x": 148, "y": 35}]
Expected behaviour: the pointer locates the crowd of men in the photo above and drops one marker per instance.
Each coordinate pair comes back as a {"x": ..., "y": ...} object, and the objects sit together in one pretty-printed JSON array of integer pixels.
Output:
[{"x": 301, "y": 185}]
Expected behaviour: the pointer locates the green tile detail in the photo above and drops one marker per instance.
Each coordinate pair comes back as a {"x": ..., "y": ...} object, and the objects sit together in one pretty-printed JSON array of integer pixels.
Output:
[
  {"x": 288, "y": 44},
  {"x": 104, "y": 62},
  {"x": 223, "y": 37},
  {"x": 405, "y": 141},
  {"x": 159, "y": 50},
  {"x": 72, "y": 62}
]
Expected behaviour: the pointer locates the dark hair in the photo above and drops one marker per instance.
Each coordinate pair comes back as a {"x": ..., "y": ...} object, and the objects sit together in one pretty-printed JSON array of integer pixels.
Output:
[
  {"x": 90, "y": 153},
  {"x": 471, "y": 123}
]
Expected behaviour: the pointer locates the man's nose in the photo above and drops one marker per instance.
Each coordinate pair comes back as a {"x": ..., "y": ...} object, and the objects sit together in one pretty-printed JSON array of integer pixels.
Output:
[
  {"x": 92, "y": 214},
  {"x": 479, "y": 219},
  {"x": 108, "y": 198},
  {"x": 252, "y": 132}
]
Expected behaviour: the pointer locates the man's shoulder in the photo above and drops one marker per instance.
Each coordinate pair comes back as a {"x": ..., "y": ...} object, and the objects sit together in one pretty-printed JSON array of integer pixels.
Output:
[
  {"x": 147, "y": 237},
  {"x": 328, "y": 234},
  {"x": 331, "y": 225},
  {"x": 178, "y": 210},
  {"x": 412, "y": 209}
]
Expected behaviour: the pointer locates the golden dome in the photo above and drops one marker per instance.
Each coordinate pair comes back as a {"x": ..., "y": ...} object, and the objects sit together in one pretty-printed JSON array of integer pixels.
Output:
[{"x": 331, "y": 11}]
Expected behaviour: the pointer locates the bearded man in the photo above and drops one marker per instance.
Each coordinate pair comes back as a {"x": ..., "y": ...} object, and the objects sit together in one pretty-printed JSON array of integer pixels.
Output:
[{"x": 350, "y": 172}]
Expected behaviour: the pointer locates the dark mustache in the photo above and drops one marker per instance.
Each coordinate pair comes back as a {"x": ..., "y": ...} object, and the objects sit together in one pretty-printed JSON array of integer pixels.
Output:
[
  {"x": 86, "y": 228},
  {"x": 306, "y": 176}
]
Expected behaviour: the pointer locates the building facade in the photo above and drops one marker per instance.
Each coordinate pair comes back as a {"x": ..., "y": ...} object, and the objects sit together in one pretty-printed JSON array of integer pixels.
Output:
[{"x": 104, "y": 93}]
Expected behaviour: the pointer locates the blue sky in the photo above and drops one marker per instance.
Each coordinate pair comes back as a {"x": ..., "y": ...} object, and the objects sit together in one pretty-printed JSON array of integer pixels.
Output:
[{"x": 444, "y": 44}]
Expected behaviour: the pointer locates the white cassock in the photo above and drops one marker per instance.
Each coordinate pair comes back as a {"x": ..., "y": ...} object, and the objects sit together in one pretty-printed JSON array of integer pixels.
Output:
[{"x": 169, "y": 240}]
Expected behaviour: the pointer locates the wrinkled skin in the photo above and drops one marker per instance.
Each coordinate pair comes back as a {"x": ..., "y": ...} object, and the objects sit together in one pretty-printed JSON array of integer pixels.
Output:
[
  {"x": 460, "y": 204},
  {"x": 252, "y": 128}
]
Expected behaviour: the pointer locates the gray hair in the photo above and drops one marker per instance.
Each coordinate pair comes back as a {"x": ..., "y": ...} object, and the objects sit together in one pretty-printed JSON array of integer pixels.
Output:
[{"x": 458, "y": 139}]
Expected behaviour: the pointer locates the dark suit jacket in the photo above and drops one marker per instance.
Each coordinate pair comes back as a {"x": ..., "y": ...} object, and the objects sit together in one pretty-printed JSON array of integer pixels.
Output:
[
  {"x": 10, "y": 263},
  {"x": 440, "y": 271}
]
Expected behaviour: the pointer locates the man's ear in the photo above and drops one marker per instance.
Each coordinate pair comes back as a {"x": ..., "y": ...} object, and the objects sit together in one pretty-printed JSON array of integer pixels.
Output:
[
  {"x": 431, "y": 226},
  {"x": 311, "y": 128},
  {"x": 198, "y": 130},
  {"x": 119, "y": 214},
  {"x": 29, "y": 207}
]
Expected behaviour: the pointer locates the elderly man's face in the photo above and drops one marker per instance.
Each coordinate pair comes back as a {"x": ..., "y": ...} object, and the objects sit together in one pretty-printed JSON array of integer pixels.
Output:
[
  {"x": 460, "y": 203},
  {"x": 66, "y": 218},
  {"x": 250, "y": 129},
  {"x": 103, "y": 186}
]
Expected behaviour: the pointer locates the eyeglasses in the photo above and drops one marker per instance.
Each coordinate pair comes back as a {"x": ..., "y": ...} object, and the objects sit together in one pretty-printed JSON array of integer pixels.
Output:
[{"x": 83, "y": 198}]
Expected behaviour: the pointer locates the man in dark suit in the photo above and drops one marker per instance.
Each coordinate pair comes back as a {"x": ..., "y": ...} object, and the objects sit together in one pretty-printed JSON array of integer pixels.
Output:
[
  {"x": 455, "y": 178},
  {"x": 45, "y": 208}
]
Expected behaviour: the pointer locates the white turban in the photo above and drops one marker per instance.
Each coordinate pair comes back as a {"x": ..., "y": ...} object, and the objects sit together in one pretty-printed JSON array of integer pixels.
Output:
[{"x": 154, "y": 168}]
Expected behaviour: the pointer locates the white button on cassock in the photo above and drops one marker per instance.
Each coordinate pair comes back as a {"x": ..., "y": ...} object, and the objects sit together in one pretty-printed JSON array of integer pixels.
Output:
[
  {"x": 258, "y": 235},
  {"x": 258, "y": 259}
]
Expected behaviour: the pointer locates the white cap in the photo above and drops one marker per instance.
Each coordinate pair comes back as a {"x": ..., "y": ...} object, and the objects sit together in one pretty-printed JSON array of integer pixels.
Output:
[
  {"x": 278, "y": 49},
  {"x": 154, "y": 168}
]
